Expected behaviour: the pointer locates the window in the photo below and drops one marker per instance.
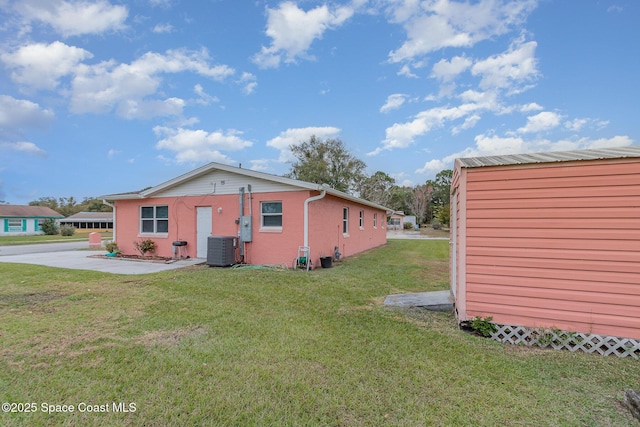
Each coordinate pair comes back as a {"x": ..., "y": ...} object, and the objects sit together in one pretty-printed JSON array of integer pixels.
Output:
[
  {"x": 154, "y": 219},
  {"x": 271, "y": 215},
  {"x": 375, "y": 220},
  {"x": 361, "y": 219},
  {"x": 14, "y": 225},
  {"x": 345, "y": 220}
]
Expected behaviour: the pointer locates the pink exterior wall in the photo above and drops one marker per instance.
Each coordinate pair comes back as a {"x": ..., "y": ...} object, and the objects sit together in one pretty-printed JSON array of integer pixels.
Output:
[
  {"x": 326, "y": 228},
  {"x": 551, "y": 245},
  {"x": 268, "y": 246}
]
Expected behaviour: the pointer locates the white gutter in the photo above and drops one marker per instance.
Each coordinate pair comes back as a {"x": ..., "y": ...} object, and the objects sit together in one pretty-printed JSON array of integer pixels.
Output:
[
  {"x": 306, "y": 214},
  {"x": 114, "y": 218}
]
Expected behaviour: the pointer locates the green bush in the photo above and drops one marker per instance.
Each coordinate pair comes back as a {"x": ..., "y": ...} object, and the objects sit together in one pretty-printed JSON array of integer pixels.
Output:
[
  {"x": 49, "y": 227},
  {"x": 67, "y": 230},
  {"x": 144, "y": 246},
  {"x": 436, "y": 225},
  {"x": 484, "y": 327},
  {"x": 408, "y": 226},
  {"x": 443, "y": 214},
  {"x": 112, "y": 247}
]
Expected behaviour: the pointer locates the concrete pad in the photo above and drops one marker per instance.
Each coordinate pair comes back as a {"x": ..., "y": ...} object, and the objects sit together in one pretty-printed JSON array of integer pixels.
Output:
[
  {"x": 437, "y": 300},
  {"x": 83, "y": 260}
]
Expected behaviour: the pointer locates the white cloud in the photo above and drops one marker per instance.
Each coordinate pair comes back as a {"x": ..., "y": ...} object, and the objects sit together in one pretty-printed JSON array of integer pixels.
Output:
[
  {"x": 543, "y": 121},
  {"x": 249, "y": 82},
  {"x": 434, "y": 25},
  {"x": 102, "y": 87},
  {"x": 199, "y": 145},
  {"x": 23, "y": 147},
  {"x": 297, "y": 136},
  {"x": 18, "y": 114},
  {"x": 576, "y": 124},
  {"x": 509, "y": 70},
  {"x": 41, "y": 65},
  {"x": 292, "y": 31},
  {"x": 531, "y": 107},
  {"x": 493, "y": 145},
  {"x": 162, "y": 28},
  {"x": 75, "y": 18},
  {"x": 394, "y": 102},
  {"x": 261, "y": 165},
  {"x": 204, "y": 98},
  {"x": 402, "y": 135},
  {"x": 146, "y": 109},
  {"x": 405, "y": 70},
  {"x": 448, "y": 70}
]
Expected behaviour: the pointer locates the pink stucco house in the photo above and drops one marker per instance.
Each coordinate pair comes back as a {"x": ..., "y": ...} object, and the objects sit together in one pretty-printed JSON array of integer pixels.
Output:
[
  {"x": 272, "y": 216},
  {"x": 549, "y": 240}
]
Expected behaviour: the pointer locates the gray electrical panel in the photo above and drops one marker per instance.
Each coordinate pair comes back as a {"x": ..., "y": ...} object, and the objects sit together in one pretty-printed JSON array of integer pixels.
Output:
[
  {"x": 221, "y": 251},
  {"x": 245, "y": 228}
]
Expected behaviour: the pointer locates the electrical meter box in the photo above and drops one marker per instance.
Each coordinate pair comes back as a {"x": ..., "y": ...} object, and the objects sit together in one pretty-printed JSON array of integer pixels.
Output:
[{"x": 246, "y": 226}]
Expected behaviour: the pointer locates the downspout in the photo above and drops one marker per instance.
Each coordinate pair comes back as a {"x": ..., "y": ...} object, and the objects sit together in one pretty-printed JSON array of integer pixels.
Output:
[
  {"x": 104, "y": 201},
  {"x": 306, "y": 214}
]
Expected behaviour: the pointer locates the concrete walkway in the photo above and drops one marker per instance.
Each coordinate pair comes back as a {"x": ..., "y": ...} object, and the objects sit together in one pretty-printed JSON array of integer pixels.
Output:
[
  {"x": 437, "y": 300},
  {"x": 85, "y": 260}
]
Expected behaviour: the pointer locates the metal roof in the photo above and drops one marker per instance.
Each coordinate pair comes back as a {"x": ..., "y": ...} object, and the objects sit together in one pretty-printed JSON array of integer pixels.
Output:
[
  {"x": 550, "y": 157},
  {"x": 90, "y": 216}
]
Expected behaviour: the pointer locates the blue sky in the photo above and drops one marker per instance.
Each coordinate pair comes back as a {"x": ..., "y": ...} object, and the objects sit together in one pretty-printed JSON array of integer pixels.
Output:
[{"x": 106, "y": 96}]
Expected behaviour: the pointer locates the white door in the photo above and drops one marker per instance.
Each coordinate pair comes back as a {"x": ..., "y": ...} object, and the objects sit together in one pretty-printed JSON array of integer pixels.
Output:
[{"x": 204, "y": 224}]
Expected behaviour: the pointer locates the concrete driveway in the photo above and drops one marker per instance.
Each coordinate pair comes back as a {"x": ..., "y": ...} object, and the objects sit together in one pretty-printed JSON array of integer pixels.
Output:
[{"x": 68, "y": 255}]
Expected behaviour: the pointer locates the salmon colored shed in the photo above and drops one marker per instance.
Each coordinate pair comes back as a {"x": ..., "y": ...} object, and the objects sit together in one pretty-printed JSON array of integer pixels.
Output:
[
  {"x": 271, "y": 216},
  {"x": 549, "y": 240}
]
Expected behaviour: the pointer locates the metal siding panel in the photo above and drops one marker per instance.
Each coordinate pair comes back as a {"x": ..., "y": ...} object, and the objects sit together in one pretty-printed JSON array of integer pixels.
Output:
[
  {"x": 561, "y": 308},
  {"x": 555, "y": 246},
  {"x": 584, "y": 255},
  {"x": 552, "y": 283},
  {"x": 570, "y": 244}
]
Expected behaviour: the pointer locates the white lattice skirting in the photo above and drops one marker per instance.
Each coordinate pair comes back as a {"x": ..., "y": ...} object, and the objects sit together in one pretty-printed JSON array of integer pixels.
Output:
[{"x": 572, "y": 341}]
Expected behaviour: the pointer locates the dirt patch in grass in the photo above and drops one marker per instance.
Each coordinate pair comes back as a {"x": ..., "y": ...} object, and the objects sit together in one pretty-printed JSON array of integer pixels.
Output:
[
  {"x": 30, "y": 298},
  {"x": 171, "y": 338}
]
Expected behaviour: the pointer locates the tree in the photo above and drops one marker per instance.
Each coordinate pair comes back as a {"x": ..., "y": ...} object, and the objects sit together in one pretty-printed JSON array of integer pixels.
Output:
[
  {"x": 68, "y": 206},
  {"x": 377, "y": 188},
  {"x": 326, "y": 162},
  {"x": 401, "y": 198},
  {"x": 441, "y": 192},
  {"x": 420, "y": 198}
]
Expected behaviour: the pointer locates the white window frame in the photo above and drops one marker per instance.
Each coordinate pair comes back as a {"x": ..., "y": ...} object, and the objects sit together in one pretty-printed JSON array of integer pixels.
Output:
[
  {"x": 267, "y": 227},
  {"x": 361, "y": 219},
  {"x": 345, "y": 221},
  {"x": 15, "y": 225},
  {"x": 155, "y": 220},
  {"x": 375, "y": 220}
]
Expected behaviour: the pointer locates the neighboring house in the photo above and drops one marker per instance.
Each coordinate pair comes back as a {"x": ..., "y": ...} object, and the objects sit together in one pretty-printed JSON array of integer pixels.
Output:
[
  {"x": 90, "y": 221},
  {"x": 549, "y": 240},
  {"x": 411, "y": 219},
  {"x": 24, "y": 220},
  {"x": 396, "y": 220},
  {"x": 271, "y": 214}
]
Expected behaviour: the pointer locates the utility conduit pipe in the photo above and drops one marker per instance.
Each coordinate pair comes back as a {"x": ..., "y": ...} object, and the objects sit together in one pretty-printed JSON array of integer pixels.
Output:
[{"x": 306, "y": 214}]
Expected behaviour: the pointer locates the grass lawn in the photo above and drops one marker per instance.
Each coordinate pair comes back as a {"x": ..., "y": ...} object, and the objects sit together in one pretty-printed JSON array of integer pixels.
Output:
[
  {"x": 243, "y": 347},
  {"x": 43, "y": 238}
]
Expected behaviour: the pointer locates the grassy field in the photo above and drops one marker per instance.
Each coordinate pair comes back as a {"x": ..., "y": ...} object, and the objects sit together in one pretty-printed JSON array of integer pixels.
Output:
[
  {"x": 43, "y": 238},
  {"x": 245, "y": 347}
]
